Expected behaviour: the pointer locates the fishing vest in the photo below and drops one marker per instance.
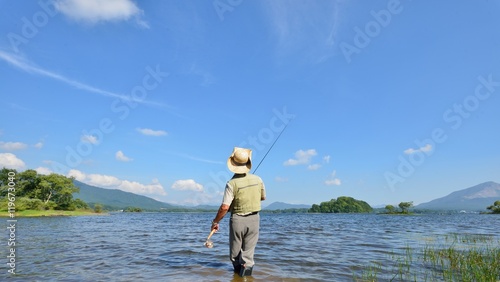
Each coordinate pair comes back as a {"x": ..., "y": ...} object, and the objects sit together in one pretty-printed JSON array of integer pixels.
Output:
[{"x": 247, "y": 193}]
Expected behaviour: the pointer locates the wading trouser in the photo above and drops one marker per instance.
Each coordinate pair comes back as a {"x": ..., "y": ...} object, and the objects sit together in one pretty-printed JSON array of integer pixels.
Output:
[{"x": 243, "y": 237}]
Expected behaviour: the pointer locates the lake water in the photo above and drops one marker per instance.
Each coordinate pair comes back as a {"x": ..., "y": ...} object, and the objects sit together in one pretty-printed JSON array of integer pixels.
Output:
[{"x": 169, "y": 246}]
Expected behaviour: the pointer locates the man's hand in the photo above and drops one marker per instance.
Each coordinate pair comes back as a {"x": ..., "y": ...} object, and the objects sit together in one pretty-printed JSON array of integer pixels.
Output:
[{"x": 215, "y": 225}]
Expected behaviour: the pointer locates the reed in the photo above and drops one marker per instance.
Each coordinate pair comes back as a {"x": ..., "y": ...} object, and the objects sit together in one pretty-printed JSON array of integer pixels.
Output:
[{"x": 454, "y": 257}]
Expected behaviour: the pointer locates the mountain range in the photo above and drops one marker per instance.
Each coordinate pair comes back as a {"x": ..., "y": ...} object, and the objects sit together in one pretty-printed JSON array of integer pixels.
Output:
[
  {"x": 476, "y": 198},
  {"x": 114, "y": 199}
]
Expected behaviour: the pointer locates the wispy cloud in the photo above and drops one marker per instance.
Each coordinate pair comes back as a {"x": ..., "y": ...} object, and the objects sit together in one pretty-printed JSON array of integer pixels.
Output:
[
  {"x": 12, "y": 146},
  {"x": 95, "y": 11},
  {"x": 206, "y": 77},
  {"x": 280, "y": 179},
  {"x": 424, "y": 149},
  {"x": 198, "y": 159},
  {"x": 313, "y": 166},
  {"x": 326, "y": 159},
  {"x": 22, "y": 64},
  {"x": 151, "y": 132},
  {"x": 305, "y": 26},
  {"x": 89, "y": 139}
]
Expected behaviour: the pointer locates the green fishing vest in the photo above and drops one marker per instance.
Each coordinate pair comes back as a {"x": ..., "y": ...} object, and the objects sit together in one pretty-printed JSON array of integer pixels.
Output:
[{"x": 247, "y": 193}]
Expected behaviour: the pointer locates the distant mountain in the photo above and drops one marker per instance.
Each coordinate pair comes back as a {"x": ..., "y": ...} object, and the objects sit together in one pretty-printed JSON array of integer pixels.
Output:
[
  {"x": 114, "y": 199},
  {"x": 284, "y": 206},
  {"x": 474, "y": 198}
]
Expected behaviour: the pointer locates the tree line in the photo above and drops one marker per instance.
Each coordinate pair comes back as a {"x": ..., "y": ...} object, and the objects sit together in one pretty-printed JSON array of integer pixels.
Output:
[{"x": 35, "y": 191}]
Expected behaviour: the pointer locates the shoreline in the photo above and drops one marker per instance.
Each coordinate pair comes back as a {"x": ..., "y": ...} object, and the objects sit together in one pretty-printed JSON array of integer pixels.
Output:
[{"x": 49, "y": 213}]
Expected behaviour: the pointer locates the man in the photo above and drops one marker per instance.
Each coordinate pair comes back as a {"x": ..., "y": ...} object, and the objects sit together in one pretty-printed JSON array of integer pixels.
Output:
[{"x": 242, "y": 197}]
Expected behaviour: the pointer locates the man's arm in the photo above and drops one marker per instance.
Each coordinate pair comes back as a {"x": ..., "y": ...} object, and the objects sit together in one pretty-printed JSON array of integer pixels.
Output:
[{"x": 220, "y": 215}]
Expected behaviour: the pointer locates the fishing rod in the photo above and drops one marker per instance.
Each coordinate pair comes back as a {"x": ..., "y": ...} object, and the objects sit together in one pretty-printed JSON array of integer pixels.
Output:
[{"x": 272, "y": 145}]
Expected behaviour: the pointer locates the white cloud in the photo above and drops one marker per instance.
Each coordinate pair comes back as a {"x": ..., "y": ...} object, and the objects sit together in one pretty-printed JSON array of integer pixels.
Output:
[
  {"x": 426, "y": 148},
  {"x": 89, "y": 139},
  {"x": 187, "y": 184},
  {"x": 12, "y": 146},
  {"x": 103, "y": 180},
  {"x": 151, "y": 132},
  {"x": 154, "y": 188},
  {"x": 78, "y": 175},
  {"x": 301, "y": 157},
  {"x": 112, "y": 182},
  {"x": 43, "y": 170},
  {"x": 333, "y": 180},
  {"x": 38, "y": 145},
  {"x": 95, "y": 11},
  {"x": 313, "y": 167},
  {"x": 9, "y": 160},
  {"x": 121, "y": 157}
]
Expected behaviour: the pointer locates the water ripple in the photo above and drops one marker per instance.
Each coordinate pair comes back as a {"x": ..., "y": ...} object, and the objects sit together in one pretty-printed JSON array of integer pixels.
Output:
[{"x": 169, "y": 246}]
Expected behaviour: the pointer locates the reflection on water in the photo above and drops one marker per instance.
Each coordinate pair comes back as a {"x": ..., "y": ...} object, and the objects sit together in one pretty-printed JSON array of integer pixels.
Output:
[{"x": 169, "y": 246}]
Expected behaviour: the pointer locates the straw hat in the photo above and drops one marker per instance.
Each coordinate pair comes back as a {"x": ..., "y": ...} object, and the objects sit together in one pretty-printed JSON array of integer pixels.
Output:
[{"x": 240, "y": 160}]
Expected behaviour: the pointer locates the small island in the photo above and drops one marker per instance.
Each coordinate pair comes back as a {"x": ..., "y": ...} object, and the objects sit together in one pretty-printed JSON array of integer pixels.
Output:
[
  {"x": 404, "y": 206},
  {"x": 495, "y": 208},
  {"x": 342, "y": 204}
]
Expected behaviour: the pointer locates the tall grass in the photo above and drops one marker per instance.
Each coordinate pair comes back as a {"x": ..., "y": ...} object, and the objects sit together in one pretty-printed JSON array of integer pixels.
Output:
[{"x": 455, "y": 257}]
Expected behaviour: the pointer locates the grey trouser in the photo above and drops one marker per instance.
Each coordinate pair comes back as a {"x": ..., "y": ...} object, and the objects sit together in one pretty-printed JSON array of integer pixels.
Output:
[{"x": 243, "y": 237}]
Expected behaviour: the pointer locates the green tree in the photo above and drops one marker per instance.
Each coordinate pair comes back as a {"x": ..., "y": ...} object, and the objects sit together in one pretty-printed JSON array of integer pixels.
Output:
[
  {"x": 36, "y": 191},
  {"x": 390, "y": 208},
  {"x": 495, "y": 208},
  {"x": 4, "y": 181},
  {"x": 28, "y": 183},
  {"x": 315, "y": 208},
  {"x": 405, "y": 206},
  {"x": 56, "y": 188}
]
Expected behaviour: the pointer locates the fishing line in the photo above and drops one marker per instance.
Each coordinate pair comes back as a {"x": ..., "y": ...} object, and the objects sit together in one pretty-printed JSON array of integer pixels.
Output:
[{"x": 272, "y": 145}]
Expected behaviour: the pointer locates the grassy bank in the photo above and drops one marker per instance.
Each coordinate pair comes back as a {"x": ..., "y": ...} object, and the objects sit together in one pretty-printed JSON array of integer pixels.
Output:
[
  {"x": 456, "y": 257},
  {"x": 38, "y": 213}
]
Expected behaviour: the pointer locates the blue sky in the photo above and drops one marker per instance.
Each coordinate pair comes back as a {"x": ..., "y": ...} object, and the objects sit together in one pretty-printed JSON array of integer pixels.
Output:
[{"x": 384, "y": 101}]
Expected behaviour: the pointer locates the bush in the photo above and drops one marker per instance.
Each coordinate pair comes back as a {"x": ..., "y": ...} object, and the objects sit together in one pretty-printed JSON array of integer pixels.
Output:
[
  {"x": 98, "y": 208},
  {"x": 49, "y": 205},
  {"x": 79, "y": 204},
  {"x": 22, "y": 203},
  {"x": 34, "y": 204}
]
